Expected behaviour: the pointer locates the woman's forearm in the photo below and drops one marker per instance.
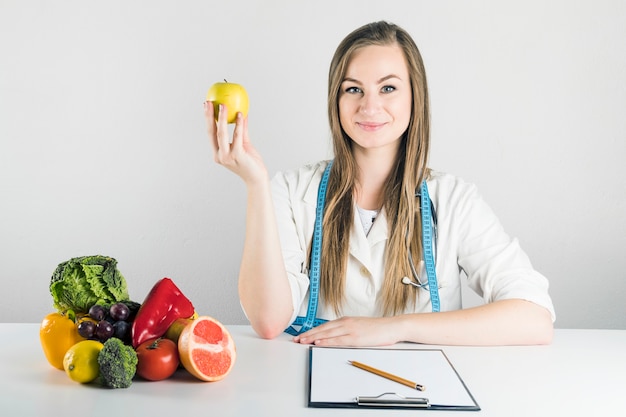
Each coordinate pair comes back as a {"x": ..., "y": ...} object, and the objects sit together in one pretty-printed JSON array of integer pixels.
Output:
[
  {"x": 504, "y": 322},
  {"x": 264, "y": 289}
]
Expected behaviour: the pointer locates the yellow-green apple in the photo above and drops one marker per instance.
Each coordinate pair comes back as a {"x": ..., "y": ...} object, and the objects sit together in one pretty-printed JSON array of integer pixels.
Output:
[{"x": 232, "y": 95}]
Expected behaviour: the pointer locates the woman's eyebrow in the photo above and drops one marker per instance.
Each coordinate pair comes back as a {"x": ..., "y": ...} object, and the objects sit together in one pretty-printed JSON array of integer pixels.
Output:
[
  {"x": 387, "y": 77},
  {"x": 350, "y": 80},
  {"x": 380, "y": 81}
]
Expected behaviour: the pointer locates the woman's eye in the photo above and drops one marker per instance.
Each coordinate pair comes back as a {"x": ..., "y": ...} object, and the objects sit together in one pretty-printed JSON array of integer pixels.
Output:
[
  {"x": 353, "y": 90},
  {"x": 388, "y": 89}
]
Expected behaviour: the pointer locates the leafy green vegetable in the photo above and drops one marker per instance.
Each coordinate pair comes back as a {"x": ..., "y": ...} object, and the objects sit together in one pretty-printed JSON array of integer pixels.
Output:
[
  {"x": 118, "y": 364},
  {"x": 81, "y": 282}
]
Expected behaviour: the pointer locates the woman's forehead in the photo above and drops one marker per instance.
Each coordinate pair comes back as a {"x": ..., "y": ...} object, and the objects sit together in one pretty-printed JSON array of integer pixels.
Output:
[{"x": 377, "y": 62}]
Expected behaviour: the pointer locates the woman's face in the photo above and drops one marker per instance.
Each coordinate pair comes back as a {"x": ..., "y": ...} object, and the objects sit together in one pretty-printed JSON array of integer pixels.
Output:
[{"x": 375, "y": 97}]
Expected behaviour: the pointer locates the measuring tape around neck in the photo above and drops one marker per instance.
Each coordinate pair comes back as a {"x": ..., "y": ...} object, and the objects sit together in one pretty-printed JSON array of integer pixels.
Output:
[
  {"x": 427, "y": 244},
  {"x": 309, "y": 321}
]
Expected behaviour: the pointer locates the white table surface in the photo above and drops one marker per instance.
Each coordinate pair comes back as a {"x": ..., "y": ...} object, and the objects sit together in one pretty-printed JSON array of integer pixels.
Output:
[{"x": 582, "y": 373}]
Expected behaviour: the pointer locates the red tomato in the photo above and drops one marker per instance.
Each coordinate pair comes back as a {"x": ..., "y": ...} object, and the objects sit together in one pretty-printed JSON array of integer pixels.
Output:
[{"x": 157, "y": 359}]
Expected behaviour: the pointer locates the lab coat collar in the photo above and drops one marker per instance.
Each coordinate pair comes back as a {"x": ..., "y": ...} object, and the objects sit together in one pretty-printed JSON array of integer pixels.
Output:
[
  {"x": 360, "y": 244},
  {"x": 310, "y": 195}
]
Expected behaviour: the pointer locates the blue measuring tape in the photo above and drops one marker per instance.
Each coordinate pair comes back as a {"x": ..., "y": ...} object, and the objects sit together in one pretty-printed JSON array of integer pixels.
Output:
[
  {"x": 427, "y": 243},
  {"x": 310, "y": 321}
]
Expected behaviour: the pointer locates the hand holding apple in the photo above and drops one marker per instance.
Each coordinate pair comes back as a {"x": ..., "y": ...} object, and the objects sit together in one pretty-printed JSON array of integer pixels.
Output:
[
  {"x": 232, "y": 95},
  {"x": 232, "y": 148}
]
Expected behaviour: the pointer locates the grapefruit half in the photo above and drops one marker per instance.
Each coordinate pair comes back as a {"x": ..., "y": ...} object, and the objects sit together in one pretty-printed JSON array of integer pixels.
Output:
[{"x": 206, "y": 349}]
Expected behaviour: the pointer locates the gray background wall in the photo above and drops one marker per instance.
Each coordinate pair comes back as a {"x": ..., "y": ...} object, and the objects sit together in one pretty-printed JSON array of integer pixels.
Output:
[{"x": 103, "y": 148}]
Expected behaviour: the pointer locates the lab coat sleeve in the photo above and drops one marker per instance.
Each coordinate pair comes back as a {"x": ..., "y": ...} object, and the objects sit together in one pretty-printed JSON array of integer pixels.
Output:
[
  {"x": 292, "y": 218},
  {"x": 496, "y": 266}
]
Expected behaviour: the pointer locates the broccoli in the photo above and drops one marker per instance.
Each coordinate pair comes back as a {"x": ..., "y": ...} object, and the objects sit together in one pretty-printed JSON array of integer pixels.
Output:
[{"x": 118, "y": 363}]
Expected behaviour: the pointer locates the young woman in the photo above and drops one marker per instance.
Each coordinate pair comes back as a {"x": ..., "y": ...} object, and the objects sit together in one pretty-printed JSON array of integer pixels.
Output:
[{"x": 379, "y": 255}]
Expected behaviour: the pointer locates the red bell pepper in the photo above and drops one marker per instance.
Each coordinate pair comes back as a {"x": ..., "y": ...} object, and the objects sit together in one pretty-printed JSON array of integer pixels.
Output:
[{"x": 163, "y": 305}]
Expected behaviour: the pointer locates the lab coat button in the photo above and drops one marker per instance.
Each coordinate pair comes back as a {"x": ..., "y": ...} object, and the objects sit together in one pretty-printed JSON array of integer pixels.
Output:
[{"x": 364, "y": 271}]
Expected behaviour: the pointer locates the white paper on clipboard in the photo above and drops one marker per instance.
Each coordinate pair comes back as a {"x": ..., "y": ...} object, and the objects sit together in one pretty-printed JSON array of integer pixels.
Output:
[{"x": 334, "y": 382}]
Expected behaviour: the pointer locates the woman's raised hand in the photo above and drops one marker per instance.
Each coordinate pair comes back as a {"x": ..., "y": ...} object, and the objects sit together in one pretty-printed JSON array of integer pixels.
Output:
[
  {"x": 237, "y": 155},
  {"x": 264, "y": 289}
]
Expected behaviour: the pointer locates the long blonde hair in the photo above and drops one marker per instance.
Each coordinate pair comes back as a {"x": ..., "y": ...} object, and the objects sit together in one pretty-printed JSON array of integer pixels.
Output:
[{"x": 400, "y": 202}]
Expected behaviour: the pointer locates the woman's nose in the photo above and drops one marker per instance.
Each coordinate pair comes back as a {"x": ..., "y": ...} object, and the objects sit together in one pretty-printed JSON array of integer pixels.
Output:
[{"x": 370, "y": 104}]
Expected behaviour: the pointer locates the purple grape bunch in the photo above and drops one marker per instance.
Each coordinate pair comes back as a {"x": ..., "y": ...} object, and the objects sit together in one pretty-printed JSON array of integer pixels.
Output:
[{"x": 114, "y": 321}]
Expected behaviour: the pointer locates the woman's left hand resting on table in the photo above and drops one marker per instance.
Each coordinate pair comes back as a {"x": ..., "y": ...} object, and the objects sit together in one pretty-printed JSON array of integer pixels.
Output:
[{"x": 505, "y": 322}]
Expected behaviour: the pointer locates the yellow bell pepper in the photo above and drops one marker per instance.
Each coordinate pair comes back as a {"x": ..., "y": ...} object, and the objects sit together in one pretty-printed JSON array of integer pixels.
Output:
[{"x": 57, "y": 334}]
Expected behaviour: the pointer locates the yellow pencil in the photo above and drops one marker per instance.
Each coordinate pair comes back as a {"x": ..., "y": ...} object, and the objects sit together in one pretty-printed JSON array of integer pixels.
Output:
[{"x": 387, "y": 375}]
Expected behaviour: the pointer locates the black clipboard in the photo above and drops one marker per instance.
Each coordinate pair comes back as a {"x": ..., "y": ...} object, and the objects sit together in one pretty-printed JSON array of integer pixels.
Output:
[{"x": 335, "y": 383}]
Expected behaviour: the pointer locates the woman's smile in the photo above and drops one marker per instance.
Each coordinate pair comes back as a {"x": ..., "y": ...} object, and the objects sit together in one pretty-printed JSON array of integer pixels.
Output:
[{"x": 371, "y": 126}]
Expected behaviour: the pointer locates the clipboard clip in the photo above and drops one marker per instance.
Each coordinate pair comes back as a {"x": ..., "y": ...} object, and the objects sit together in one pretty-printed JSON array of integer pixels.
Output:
[{"x": 391, "y": 399}]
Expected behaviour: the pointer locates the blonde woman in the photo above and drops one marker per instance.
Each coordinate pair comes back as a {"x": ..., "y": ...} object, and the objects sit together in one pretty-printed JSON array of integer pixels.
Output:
[{"x": 395, "y": 238}]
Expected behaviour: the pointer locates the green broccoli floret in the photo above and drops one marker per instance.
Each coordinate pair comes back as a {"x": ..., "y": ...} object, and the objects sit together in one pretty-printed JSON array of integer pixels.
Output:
[{"x": 118, "y": 363}]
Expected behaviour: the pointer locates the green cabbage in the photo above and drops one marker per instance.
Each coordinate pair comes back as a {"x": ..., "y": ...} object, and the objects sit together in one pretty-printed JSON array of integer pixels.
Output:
[{"x": 81, "y": 282}]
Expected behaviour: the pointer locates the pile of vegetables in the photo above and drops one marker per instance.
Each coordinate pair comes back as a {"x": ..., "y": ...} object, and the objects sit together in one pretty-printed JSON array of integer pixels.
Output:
[{"x": 91, "y": 299}]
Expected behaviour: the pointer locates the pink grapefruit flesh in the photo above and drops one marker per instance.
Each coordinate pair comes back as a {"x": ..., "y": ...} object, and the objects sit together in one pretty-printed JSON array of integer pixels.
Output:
[{"x": 206, "y": 349}]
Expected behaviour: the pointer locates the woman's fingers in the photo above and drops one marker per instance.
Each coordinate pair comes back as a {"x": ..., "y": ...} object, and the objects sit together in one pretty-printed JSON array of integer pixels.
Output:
[
  {"x": 217, "y": 130},
  {"x": 223, "y": 140},
  {"x": 350, "y": 331},
  {"x": 238, "y": 133},
  {"x": 236, "y": 153},
  {"x": 246, "y": 138},
  {"x": 209, "y": 115},
  {"x": 225, "y": 151}
]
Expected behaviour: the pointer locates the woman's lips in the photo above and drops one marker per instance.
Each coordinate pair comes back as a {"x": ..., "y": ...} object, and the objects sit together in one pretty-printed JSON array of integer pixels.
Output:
[{"x": 370, "y": 126}]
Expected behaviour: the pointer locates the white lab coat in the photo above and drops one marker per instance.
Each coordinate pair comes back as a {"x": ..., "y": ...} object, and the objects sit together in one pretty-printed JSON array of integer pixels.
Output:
[{"x": 470, "y": 239}]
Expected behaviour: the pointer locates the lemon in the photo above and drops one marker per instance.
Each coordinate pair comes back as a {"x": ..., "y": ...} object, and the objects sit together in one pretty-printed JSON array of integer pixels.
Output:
[{"x": 81, "y": 361}]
